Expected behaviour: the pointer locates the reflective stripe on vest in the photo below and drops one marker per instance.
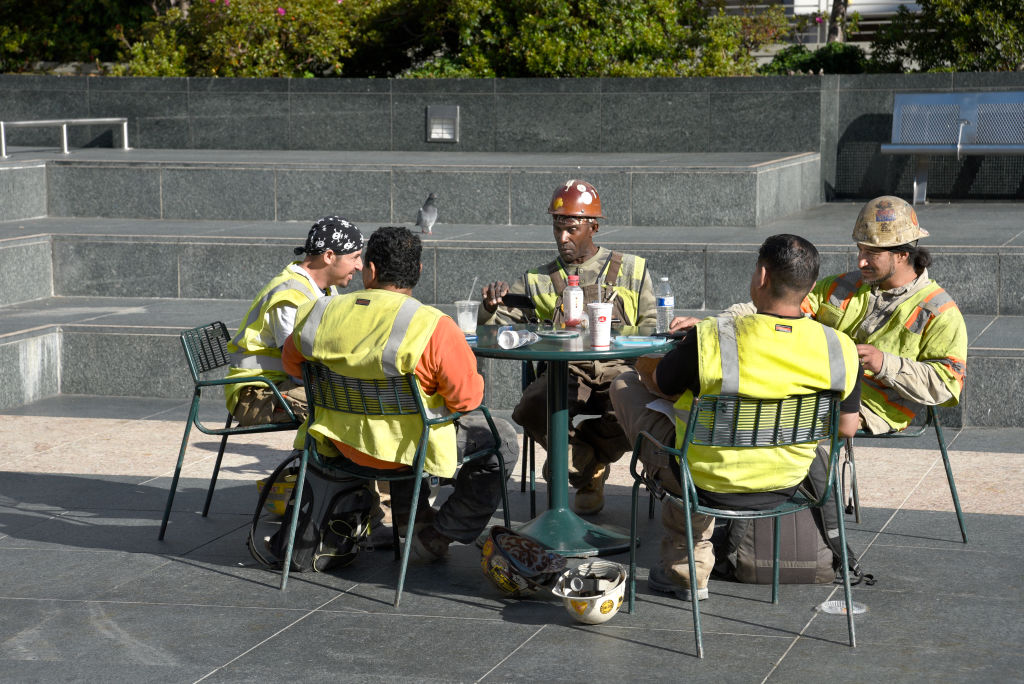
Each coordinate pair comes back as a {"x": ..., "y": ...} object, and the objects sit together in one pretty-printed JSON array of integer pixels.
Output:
[
  {"x": 257, "y": 309},
  {"x": 729, "y": 350}
]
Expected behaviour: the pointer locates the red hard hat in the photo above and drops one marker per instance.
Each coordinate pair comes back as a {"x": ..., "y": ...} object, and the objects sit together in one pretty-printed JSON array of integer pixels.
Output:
[{"x": 575, "y": 198}]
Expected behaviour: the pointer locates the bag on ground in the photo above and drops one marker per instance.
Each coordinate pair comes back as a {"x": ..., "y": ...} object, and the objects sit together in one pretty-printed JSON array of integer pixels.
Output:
[{"x": 334, "y": 519}]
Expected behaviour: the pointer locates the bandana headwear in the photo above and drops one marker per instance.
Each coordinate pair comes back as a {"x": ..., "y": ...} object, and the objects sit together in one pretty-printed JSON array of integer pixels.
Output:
[{"x": 332, "y": 233}]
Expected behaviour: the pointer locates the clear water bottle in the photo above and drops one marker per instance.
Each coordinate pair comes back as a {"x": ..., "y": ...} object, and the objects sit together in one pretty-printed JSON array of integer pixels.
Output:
[
  {"x": 572, "y": 302},
  {"x": 666, "y": 304}
]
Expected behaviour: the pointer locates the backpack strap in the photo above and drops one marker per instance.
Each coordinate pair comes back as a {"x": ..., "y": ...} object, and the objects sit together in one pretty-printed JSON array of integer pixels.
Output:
[
  {"x": 611, "y": 276},
  {"x": 279, "y": 473},
  {"x": 558, "y": 282}
]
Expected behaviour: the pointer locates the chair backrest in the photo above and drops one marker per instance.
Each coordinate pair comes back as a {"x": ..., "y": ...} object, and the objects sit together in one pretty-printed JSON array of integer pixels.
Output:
[
  {"x": 394, "y": 396},
  {"x": 731, "y": 421},
  {"x": 718, "y": 420},
  {"x": 206, "y": 348}
]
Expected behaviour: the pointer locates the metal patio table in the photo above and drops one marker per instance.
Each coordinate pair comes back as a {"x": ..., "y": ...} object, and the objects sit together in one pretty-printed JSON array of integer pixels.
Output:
[{"x": 559, "y": 528}]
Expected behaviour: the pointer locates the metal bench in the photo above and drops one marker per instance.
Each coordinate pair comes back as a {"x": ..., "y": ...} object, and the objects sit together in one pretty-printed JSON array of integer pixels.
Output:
[
  {"x": 927, "y": 124},
  {"x": 63, "y": 123}
]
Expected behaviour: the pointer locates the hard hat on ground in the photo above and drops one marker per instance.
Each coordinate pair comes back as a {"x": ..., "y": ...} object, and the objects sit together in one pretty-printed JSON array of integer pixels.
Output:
[
  {"x": 592, "y": 592},
  {"x": 575, "y": 198},
  {"x": 887, "y": 222},
  {"x": 518, "y": 565}
]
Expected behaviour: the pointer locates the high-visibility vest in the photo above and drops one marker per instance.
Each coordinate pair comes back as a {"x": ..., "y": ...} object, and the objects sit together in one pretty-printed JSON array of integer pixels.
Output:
[
  {"x": 927, "y": 327},
  {"x": 370, "y": 335},
  {"x": 764, "y": 357},
  {"x": 622, "y": 272},
  {"x": 250, "y": 354}
]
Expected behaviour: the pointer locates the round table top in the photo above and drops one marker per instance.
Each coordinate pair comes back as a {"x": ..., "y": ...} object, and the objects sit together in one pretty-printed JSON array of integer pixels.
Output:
[{"x": 576, "y": 348}]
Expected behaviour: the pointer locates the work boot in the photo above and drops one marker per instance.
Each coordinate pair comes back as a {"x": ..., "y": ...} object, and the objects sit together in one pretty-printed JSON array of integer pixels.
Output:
[{"x": 590, "y": 497}]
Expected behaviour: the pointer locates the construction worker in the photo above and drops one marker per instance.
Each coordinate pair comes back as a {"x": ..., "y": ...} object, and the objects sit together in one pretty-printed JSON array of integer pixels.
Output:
[
  {"x": 771, "y": 353},
  {"x": 382, "y": 330},
  {"x": 604, "y": 275},
  {"x": 332, "y": 256}
]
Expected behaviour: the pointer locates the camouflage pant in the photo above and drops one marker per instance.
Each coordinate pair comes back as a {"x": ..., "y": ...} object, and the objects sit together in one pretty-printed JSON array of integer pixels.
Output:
[
  {"x": 594, "y": 442},
  {"x": 257, "y": 404}
]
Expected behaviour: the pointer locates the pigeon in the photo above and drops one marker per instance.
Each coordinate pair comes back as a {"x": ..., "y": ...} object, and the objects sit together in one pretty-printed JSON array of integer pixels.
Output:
[{"x": 427, "y": 214}]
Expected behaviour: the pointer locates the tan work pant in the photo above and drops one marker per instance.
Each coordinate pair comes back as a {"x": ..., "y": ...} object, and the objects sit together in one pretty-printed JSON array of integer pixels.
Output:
[{"x": 630, "y": 399}]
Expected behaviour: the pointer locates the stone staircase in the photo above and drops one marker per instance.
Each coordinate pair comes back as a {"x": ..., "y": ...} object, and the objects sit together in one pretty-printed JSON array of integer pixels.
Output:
[{"x": 106, "y": 256}]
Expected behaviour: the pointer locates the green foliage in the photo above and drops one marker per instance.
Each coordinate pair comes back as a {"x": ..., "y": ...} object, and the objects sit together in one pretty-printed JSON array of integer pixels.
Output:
[
  {"x": 954, "y": 35},
  {"x": 63, "y": 31},
  {"x": 246, "y": 38},
  {"x": 556, "y": 38},
  {"x": 830, "y": 58}
]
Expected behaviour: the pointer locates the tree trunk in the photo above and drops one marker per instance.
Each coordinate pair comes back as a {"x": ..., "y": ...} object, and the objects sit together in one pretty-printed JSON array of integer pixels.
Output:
[{"x": 837, "y": 22}]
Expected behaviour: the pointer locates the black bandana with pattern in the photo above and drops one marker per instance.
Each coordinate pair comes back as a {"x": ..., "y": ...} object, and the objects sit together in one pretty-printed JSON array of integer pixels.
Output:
[{"x": 332, "y": 233}]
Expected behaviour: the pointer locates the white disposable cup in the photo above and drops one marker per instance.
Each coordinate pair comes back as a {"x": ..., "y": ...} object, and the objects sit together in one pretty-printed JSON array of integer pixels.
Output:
[
  {"x": 465, "y": 315},
  {"x": 600, "y": 324}
]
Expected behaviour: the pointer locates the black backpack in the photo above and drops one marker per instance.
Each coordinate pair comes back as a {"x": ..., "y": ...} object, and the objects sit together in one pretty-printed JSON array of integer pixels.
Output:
[
  {"x": 334, "y": 519},
  {"x": 809, "y": 545}
]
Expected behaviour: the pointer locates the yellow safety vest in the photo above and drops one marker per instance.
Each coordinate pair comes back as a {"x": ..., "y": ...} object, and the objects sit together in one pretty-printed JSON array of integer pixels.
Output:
[
  {"x": 544, "y": 285},
  {"x": 927, "y": 327},
  {"x": 766, "y": 357},
  {"x": 250, "y": 356},
  {"x": 375, "y": 334}
]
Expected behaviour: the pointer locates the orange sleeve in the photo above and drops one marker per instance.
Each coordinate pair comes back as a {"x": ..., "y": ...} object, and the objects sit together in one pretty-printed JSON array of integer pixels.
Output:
[
  {"x": 448, "y": 367},
  {"x": 291, "y": 358}
]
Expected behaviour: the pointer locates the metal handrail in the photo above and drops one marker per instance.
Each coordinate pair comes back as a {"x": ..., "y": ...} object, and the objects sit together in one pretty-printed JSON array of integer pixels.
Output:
[{"x": 63, "y": 123}]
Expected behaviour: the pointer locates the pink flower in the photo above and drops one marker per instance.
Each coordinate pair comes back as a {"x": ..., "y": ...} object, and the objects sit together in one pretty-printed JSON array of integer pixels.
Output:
[
  {"x": 280, "y": 11},
  {"x": 817, "y": 20}
]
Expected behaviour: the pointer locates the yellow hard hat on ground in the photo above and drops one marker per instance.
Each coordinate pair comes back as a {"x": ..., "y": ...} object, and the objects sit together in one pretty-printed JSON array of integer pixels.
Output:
[{"x": 887, "y": 222}]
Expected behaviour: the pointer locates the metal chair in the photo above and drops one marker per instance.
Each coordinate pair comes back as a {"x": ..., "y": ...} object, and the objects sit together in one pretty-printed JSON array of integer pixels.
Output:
[
  {"x": 394, "y": 396},
  {"x": 739, "y": 422},
  {"x": 913, "y": 431},
  {"x": 206, "y": 349}
]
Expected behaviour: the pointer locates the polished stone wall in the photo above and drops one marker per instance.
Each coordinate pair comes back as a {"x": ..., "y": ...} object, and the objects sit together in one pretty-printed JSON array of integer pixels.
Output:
[
  {"x": 22, "y": 191},
  {"x": 846, "y": 118},
  {"x": 720, "y": 191}
]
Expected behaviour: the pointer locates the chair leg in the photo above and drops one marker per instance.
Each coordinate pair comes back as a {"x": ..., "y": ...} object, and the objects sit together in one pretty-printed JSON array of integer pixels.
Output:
[
  {"x": 694, "y": 600},
  {"x": 847, "y": 593},
  {"x": 216, "y": 468},
  {"x": 650, "y": 505},
  {"x": 177, "y": 468},
  {"x": 504, "y": 491},
  {"x": 949, "y": 471},
  {"x": 522, "y": 469},
  {"x": 300, "y": 485},
  {"x": 776, "y": 556},
  {"x": 854, "y": 493},
  {"x": 407, "y": 552},
  {"x": 533, "y": 479},
  {"x": 631, "y": 588}
]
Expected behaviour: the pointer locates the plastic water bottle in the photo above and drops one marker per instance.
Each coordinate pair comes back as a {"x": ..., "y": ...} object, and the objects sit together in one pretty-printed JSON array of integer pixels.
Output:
[
  {"x": 666, "y": 304},
  {"x": 572, "y": 301}
]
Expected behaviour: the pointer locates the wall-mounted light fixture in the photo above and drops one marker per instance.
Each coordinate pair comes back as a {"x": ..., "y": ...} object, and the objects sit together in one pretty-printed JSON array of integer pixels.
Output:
[{"x": 443, "y": 123}]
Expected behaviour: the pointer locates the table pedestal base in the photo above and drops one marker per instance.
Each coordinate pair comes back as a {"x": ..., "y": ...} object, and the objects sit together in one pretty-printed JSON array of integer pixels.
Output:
[{"x": 566, "y": 533}]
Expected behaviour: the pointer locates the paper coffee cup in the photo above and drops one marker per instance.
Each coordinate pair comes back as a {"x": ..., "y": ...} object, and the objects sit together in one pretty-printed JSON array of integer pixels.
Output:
[{"x": 600, "y": 324}]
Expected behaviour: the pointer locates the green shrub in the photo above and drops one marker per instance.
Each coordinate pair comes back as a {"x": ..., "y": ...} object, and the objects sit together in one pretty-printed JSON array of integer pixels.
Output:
[
  {"x": 575, "y": 38},
  {"x": 954, "y": 35},
  {"x": 246, "y": 38},
  {"x": 830, "y": 58}
]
